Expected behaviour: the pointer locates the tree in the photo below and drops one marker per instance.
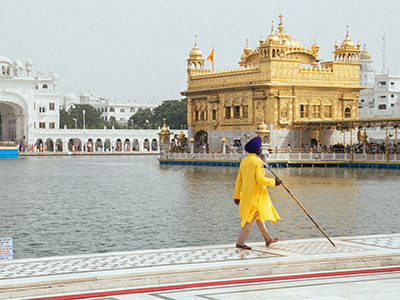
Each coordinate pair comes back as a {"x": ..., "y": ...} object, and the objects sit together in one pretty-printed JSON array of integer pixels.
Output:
[
  {"x": 143, "y": 118},
  {"x": 65, "y": 119},
  {"x": 173, "y": 111},
  {"x": 113, "y": 122},
  {"x": 92, "y": 117}
]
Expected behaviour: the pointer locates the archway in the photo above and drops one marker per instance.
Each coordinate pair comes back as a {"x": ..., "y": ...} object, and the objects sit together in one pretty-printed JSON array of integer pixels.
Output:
[
  {"x": 107, "y": 145},
  {"x": 39, "y": 145},
  {"x": 154, "y": 145},
  {"x": 127, "y": 145},
  {"x": 49, "y": 146},
  {"x": 99, "y": 145},
  {"x": 200, "y": 138},
  {"x": 59, "y": 145},
  {"x": 74, "y": 144},
  {"x": 118, "y": 146},
  {"x": 90, "y": 145},
  {"x": 12, "y": 120},
  {"x": 135, "y": 145},
  {"x": 146, "y": 145}
]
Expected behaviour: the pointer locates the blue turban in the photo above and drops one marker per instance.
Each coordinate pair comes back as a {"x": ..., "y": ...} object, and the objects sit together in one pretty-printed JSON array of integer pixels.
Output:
[{"x": 253, "y": 145}]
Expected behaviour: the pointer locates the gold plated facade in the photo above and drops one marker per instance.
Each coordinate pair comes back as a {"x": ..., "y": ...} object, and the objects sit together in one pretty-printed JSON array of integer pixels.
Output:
[{"x": 275, "y": 87}]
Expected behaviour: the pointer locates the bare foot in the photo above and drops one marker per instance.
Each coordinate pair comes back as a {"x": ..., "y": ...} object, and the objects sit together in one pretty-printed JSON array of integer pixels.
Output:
[{"x": 272, "y": 241}]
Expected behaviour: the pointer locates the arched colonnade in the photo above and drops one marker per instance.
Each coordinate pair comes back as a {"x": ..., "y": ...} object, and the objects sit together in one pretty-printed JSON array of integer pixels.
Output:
[{"x": 77, "y": 144}]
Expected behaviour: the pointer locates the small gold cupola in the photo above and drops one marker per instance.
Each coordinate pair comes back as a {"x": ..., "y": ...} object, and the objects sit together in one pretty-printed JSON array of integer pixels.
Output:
[
  {"x": 164, "y": 135},
  {"x": 196, "y": 60},
  {"x": 347, "y": 52}
]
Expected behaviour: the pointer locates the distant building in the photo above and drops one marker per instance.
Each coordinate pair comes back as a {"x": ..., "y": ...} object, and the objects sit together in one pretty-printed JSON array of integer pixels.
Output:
[
  {"x": 28, "y": 102},
  {"x": 29, "y": 109},
  {"x": 383, "y": 100},
  {"x": 120, "y": 111},
  {"x": 275, "y": 90}
]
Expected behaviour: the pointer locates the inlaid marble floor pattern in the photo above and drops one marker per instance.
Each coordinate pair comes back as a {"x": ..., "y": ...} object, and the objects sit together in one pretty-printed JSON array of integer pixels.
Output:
[{"x": 116, "y": 261}]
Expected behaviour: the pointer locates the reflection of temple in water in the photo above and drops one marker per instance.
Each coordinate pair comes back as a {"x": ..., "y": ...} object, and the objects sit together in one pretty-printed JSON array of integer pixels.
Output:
[{"x": 277, "y": 85}]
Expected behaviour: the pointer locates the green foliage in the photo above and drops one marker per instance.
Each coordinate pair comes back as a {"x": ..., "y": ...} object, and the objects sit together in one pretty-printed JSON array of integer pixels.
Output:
[
  {"x": 65, "y": 119},
  {"x": 92, "y": 117},
  {"x": 142, "y": 119},
  {"x": 113, "y": 122},
  {"x": 173, "y": 111}
]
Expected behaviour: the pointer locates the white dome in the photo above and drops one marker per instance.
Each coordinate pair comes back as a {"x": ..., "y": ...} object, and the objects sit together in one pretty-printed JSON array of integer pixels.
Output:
[
  {"x": 70, "y": 97},
  {"x": 18, "y": 64},
  {"x": 4, "y": 59}
]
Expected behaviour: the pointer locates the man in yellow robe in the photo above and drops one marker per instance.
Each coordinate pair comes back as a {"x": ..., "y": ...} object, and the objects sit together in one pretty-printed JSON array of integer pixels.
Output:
[{"x": 252, "y": 196}]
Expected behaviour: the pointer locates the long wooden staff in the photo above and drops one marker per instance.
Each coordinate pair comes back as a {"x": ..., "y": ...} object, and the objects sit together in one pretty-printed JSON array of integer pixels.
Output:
[{"x": 263, "y": 158}]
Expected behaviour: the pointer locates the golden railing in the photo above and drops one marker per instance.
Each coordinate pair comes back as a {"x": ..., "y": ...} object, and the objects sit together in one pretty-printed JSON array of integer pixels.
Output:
[{"x": 7, "y": 144}]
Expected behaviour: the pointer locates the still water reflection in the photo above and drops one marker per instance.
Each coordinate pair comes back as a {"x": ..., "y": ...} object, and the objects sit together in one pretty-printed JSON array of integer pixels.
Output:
[{"x": 75, "y": 205}]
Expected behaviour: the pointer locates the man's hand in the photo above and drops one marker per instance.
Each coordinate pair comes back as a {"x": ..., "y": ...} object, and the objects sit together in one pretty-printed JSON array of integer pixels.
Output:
[
  {"x": 237, "y": 201},
  {"x": 278, "y": 182}
]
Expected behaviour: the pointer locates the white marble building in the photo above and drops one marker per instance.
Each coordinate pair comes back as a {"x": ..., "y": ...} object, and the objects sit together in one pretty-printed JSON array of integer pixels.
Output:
[
  {"x": 28, "y": 102},
  {"x": 120, "y": 111},
  {"x": 383, "y": 99},
  {"x": 29, "y": 108}
]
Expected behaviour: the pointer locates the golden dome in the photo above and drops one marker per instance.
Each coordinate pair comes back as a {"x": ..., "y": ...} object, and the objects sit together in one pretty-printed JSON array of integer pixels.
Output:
[
  {"x": 281, "y": 38},
  {"x": 247, "y": 50},
  {"x": 272, "y": 39},
  {"x": 347, "y": 43},
  {"x": 181, "y": 135},
  {"x": 315, "y": 47},
  {"x": 223, "y": 140},
  {"x": 164, "y": 129},
  {"x": 292, "y": 43},
  {"x": 196, "y": 52},
  {"x": 365, "y": 54},
  {"x": 263, "y": 127},
  {"x": 192, "y": 140}
]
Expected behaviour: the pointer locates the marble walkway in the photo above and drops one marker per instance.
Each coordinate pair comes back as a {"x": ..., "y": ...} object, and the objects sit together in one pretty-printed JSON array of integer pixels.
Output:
[{"x": 213, "y": 272}]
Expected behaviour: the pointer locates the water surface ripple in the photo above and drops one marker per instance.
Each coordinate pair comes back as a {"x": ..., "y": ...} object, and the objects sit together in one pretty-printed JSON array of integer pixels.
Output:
[{"x": 75, "y": 205}]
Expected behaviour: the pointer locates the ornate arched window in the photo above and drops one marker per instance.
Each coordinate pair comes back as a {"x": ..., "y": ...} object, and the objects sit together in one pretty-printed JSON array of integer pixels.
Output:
[
  {"x": 284, "y": 113},
  {"x": 316, "y": 111},
  {"x": 347, "y": 113},
  {"x": 304, "y": 111}
]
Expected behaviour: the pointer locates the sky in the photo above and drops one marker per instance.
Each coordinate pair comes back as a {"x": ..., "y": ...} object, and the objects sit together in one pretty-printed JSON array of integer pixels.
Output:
[{"x": 130, "y": 50}]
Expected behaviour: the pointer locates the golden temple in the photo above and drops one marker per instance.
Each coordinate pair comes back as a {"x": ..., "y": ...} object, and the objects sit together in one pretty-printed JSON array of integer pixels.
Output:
[{"x": 276, "y": 88}]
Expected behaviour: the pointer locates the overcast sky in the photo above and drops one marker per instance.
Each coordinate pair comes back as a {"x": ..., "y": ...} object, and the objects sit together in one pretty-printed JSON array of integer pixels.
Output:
[{"x": 137, "y": 50}]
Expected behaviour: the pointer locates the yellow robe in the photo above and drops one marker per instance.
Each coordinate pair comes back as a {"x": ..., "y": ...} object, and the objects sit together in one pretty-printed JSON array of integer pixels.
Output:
[{"x": 250, "y": 189}]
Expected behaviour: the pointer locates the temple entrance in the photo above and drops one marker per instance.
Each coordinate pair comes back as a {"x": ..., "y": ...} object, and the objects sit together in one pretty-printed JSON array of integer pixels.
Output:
[
  {"x": 12, "y": 122},
  {"x": 200, "y": 138}
]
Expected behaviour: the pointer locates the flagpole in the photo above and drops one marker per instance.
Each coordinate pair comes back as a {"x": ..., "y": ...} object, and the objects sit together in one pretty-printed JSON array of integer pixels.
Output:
[
  {"x": 213, "y": 60},
  {"x": 211, "y": 57}
]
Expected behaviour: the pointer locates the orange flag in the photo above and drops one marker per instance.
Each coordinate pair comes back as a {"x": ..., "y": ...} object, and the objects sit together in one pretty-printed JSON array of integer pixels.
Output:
[{"x": 211, "y": 56}]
